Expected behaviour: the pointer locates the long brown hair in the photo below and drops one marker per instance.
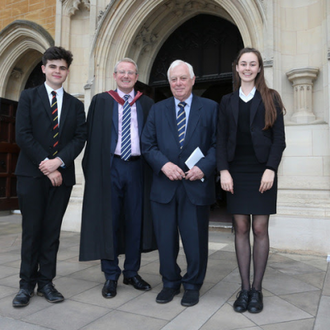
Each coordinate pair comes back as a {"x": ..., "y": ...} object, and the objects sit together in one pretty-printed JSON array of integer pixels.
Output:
[{"x": 270, "y": 97}]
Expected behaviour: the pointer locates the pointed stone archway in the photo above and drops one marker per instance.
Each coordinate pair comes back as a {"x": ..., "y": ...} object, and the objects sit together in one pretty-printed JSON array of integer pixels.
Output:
[
  {"x": 22, "y": 44},
  {"x": 138, "y": 29}
]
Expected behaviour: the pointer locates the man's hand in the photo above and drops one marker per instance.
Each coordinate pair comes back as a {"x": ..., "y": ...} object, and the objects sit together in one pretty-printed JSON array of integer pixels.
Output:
[
  {"x": 172, "y": 171},
  {"x": 194, "y": 173},
  {"x": 50, "y": 165},
  {"x": 267, "y": 180},
  {"x": 55, "y": 178},
  {"x": 226, "y": 181}
]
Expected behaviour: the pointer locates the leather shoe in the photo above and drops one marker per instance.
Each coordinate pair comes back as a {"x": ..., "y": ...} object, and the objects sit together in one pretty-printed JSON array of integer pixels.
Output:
[
  {"x": 190, "y": 298},
  {"x": 22, "y": 298},
  {"x": 50, "y": 293},
  {"x": 255, "y": 304},
  {"x": 166, "y": 295},
  {"x": 109, "y": 289},
  {"x": 137, "y": 282},
  {"x": 241, "y": 302}
]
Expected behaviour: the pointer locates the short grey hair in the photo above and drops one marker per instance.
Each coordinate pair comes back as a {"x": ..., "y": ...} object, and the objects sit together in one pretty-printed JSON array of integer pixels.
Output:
[
  {"x": 126, "y": 59},
  {"x": 178, "y": 62}
]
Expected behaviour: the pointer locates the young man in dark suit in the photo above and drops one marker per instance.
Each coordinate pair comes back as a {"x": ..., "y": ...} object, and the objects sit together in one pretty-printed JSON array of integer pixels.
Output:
[
  {"x": 180, "y": 198},
  {"x": 51, "y": 132}
]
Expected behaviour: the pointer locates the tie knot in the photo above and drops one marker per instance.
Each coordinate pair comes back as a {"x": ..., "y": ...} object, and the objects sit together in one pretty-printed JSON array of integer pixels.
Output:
[
  {"x": 182, "y": 104},
  {"x": 53, "y": 93},
  {"x": 126, "y": 97}
]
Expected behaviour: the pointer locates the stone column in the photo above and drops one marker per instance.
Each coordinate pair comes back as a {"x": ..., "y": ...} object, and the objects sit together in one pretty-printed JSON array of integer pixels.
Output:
[{"x": 302, "y": 80}]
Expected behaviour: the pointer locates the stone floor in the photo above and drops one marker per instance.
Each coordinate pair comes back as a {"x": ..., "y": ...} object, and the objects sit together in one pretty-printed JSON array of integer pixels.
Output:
[{"x": 296, "y": 292}]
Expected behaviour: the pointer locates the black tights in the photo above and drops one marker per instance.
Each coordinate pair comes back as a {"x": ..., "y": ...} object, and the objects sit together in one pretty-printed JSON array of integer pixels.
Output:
[{"x": 242, "y": 224}]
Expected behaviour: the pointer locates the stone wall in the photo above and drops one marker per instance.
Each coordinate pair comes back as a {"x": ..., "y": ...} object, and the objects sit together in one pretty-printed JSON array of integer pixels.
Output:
[{"x": 41, "y": 12}]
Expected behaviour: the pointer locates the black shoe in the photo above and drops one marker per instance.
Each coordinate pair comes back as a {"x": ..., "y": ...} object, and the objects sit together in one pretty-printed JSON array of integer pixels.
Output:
[
  {"x": 166, "y": 295},
  {"x": 22, "y": 298},
  {"x": 109, "y": 289},
  {"x": 242, "y": 301},
  {"x": 137, "y": 282},
  {"x": 190, "y": 298},
  {"x": 255, "y": 304},
  {"x": 50, "y": 293}
]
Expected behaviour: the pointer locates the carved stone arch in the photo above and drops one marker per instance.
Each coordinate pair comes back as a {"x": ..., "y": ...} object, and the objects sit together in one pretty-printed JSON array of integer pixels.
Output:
[
  {"x": 138, "y": 29},
  {"x": 22, "y": 44}
]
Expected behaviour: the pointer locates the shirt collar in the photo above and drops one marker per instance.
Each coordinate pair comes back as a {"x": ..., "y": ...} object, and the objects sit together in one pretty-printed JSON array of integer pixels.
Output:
[
  {"x": 188, "y": 101},
  {"x": 122, "y": 94},
  {"x": 59, "y": 91},
  {"x": 247, "y": 98}
]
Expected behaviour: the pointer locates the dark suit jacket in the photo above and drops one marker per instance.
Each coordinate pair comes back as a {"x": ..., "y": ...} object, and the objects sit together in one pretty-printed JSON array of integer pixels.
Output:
[
  {"x": 160, "y": 144},
  {"x": 268, "y": 144},
  {"x": 34, "y": 133},
  {"x": 96, "y": 228}
]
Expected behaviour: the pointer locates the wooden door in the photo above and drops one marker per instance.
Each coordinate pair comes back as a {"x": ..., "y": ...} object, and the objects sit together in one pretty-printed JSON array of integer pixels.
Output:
[{"x": 8, "y": 155}]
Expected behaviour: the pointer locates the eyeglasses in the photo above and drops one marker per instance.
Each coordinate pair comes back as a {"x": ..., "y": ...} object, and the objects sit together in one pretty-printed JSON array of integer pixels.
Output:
[{"x": 129, "y": 73}]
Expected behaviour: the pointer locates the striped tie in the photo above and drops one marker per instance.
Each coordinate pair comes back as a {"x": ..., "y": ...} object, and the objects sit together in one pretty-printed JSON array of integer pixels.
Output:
[
  {"x": 55, "y": 130},
  {"x": 126, "y": 130},
  {"x": 181, "y": 122}
]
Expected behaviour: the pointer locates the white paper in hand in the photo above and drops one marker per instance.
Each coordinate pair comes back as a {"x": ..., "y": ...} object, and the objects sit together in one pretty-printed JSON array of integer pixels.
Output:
[{"x": 194, "y": 158}]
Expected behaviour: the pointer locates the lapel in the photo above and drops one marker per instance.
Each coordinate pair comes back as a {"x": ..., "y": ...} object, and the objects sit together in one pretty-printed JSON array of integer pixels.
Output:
[
  {"x": 194, "y": 116},
  {"x": 170, "y": 115},
  {"x": 110, "y": 110},
  {"x": 111, "y": 104},
  {"x": 254, "y": 106},
  {"x": 45, "y": 100},
  {"x": 140, "y": 118},
  {"x": 65, "y": 109},
  {"x": 234, "y": 103}
]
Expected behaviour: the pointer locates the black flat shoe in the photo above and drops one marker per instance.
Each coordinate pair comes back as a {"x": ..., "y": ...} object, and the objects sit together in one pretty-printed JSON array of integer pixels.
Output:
[
  {"x": 190, "y": 298},
  {"x": 256, "y": 301},
  {"x": 137, "y": 282},
  {"x": 166, "y": 295},
  {"x": 22, "y": 298},
  {"x": 50, "y": 293},
  {"x": 242, "y": 301},
  {"x": 109, "y": 289}
]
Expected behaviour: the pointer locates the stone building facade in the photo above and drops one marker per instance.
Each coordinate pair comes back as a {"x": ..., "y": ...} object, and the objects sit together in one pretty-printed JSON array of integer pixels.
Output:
[{"x": 292, "y": 35}]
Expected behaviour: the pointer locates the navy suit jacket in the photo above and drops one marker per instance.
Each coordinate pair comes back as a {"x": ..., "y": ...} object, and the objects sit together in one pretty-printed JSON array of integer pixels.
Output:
[
  {"x": 34, "y": 133},
  {"x": 160, "y": 144},
  {"x": 268, "y": 144}
]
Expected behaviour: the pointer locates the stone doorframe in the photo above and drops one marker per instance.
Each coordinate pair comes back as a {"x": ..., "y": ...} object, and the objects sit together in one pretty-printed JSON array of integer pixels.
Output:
[
  {"x": 22, "y": 44},
  {"x": 138, "y": 29}
]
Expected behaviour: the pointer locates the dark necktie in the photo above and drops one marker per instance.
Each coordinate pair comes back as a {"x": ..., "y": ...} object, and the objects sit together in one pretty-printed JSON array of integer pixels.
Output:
[
  {"x": 181, "y": 122},
  {"x": 126, "y": 130},
  {"x": 55, "y": 130}
]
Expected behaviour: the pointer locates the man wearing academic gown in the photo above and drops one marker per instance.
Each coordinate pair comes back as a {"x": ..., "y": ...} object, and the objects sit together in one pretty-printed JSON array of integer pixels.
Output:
[{"x": 116, "y": 216}]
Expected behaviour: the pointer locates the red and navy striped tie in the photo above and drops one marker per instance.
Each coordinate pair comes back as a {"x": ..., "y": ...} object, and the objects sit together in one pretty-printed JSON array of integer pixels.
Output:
[{"x": 55, "y": 130}]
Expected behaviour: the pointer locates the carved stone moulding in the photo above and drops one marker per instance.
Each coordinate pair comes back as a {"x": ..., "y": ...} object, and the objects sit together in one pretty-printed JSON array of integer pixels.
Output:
[
  {"x": 71, "y": 6},
  {"x": 302, "y": 81}
]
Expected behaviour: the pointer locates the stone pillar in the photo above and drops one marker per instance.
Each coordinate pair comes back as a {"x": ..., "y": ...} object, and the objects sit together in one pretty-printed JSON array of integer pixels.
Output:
[{"x": 302, "y": 80}]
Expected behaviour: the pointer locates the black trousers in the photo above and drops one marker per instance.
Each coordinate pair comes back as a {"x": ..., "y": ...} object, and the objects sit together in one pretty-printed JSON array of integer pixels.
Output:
[{"x": 42, "y": 207}]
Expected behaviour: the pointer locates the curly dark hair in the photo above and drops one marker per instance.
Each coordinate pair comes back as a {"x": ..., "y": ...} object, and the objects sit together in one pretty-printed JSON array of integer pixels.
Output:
[{"x": 57, "y": 53}]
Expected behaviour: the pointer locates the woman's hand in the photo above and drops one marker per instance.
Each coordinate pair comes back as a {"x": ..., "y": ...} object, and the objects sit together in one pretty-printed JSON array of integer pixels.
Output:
[
  {"x": 267, "y": 180},
  {"x": 226, "y": 181}
]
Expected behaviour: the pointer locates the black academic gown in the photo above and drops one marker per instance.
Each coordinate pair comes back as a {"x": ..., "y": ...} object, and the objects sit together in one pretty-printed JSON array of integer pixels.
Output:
[{"x": 96, "y": 228}]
